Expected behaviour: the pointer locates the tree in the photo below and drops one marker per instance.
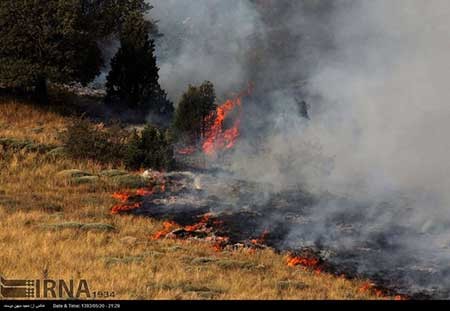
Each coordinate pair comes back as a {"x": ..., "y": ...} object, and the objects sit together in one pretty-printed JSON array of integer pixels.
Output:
[
  {"x": 150, "y": 149},
  {"x": 55, "y": 40},
  {"x": 196, "y": 105},
  {"x": 133, "y": 82}
]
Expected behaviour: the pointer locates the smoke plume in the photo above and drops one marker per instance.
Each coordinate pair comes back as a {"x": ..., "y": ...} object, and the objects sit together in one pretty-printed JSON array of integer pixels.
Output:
[{"x": 375, "y": 76}]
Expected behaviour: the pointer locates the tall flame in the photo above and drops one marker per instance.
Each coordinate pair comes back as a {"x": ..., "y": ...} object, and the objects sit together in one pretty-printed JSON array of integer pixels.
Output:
[{"x": 217, "y": 138}]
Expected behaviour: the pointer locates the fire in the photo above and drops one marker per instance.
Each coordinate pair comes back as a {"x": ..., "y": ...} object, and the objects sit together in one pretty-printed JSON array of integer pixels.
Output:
[
  {"x": 121, "y": 208},
  {"x": 220, "y": 243},
  {"x": 262, "y": 239},
  {"x": 168, "y": 226},
  {"x": 125, "y": 198},
  {"x": 217, "y": 138},
  {"x": 370, "y": 287},
  {"x": 144, "y": 192},
  {"x": 305, "y": 262},
  {"x": 121, "y": 196},
  {"x": 200, "y": 225},
  {"x": 400, "y": 298}
]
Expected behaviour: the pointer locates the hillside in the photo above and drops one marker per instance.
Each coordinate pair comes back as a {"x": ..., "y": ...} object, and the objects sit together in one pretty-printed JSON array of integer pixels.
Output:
[{"x": 53, "y": 228}]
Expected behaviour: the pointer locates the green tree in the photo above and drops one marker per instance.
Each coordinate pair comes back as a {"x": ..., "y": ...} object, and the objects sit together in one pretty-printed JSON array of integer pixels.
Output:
[
  {"x": 55, "y": 40},
  {"x": 196, "y": 105},
  {"x": 133, "y": 82},
  {"x": 150, "y": 149}
]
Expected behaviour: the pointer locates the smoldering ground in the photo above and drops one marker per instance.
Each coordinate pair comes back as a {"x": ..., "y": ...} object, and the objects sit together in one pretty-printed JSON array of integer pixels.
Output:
[{"x": 375, "y": 76}]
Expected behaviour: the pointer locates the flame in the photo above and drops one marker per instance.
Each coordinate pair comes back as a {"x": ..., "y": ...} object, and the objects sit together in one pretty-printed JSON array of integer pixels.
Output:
[
  {"x": 168, "y": 226},
  {"x": 220, "y": 243},
  {"x": 400, "y": 298},
  {"x": 124, "y": 198},
  {"x": 305, "y": 262},
  {"x": 262, "y": 239},
  {"x": 370, "y": 287},
  {"x": 125, "y": 208},
  {"x": 205, "y": 224},
  {"x": 217, "y": 138},
  {"x": 201, "y": 225},
  {"x": 121, "y": 196}
]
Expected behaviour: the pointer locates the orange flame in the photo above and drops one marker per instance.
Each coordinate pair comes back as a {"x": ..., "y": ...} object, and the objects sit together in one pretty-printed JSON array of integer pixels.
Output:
[
  {"x": 168, "y": 226},
  {"x": 400, "y": 298},
  {"x": 144, "y": 192},
  {"x": 370, "y": 287},
  {"x": 121, "y": 196},
  {"x": 262, "y": 239},
  {"x": 217, "y": 138},
  {"x": 200, "y": 225},
  {"x": 125, "y": 208},
  {"x": 125, "y": 196},
  {"x": 305, "y": 262}
]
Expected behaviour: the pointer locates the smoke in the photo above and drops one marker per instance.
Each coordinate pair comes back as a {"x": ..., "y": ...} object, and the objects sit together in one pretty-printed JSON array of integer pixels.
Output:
[
  {"x": 203, "y": 40},
  {"x": 377, "y": 137},
  {"x": 375, "y": 75}
]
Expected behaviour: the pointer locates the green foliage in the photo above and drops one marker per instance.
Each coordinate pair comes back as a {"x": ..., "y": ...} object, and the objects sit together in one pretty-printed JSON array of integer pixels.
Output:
[
  {"x": 86, "y": 141},
  {"x": 150, "y": 149},
  {"x": 191, "y": 116},
  {"x": 57, "y": 40},
  {"x": 14, "y": 145},
  {"x": 133, "y": 82}
]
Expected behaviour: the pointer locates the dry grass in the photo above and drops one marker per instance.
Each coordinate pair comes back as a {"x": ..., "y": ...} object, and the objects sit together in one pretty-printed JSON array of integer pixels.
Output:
[
  {"x": 27, "y": 122},
  {"x": 37, "y": 241}
]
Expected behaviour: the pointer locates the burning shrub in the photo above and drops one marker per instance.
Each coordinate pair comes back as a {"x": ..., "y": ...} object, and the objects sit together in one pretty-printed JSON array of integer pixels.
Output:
[
  {"x": 150, "y": 149},
  {"x": 83, "y": 140}
]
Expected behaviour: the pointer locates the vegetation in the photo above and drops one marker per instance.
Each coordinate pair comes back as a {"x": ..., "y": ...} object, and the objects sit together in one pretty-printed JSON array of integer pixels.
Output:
[
  {"x": 68, "y": 229},
  {"x": 57, "y": 40},
  {"x": 58, "y": 173},
  {"x": 191, "y": 117},
  {"x": 133, "y": 82},
  {"x": 150, "y": 149},
  {"x": 83, "y": 140}
]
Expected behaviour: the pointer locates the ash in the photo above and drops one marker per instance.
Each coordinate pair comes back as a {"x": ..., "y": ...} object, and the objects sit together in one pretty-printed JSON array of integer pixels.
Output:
[{"x": 251, "y": 214}]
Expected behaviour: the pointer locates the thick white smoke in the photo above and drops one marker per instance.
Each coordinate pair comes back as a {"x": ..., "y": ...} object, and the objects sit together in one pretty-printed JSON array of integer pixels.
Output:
[
  {"x": 379, "y": 100},
  {"x": 203, "y": 40},
  {"x": 386, "y": 96},
  {"x": 379, "y": 129},
  {"x": 379, "y": 104}
]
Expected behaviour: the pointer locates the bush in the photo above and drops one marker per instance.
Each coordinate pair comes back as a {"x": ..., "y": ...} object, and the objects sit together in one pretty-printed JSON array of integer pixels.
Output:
[
  {"x": 150, "y": 149},
  {"x": 84, "y": 140},
  {"x": 191, "y": 117}
]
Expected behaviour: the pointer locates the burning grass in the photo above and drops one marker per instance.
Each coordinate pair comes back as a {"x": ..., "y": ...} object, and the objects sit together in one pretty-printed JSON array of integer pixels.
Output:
[{"x": 139, "y": 267}]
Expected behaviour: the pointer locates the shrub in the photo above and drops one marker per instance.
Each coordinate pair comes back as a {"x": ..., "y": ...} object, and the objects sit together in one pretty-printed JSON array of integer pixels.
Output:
[
  {"x": 191, "y": 116},
  {"x": 83, "y": 140},
  {"x": 150, "y": 149}
]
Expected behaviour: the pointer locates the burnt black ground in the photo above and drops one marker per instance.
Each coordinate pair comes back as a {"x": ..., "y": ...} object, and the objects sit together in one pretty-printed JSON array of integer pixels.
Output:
[{"x": 349, "y": 241}]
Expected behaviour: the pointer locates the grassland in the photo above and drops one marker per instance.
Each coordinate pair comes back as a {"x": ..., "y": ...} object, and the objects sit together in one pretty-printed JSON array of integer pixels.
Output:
[{"x": 51, "y": 228}]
